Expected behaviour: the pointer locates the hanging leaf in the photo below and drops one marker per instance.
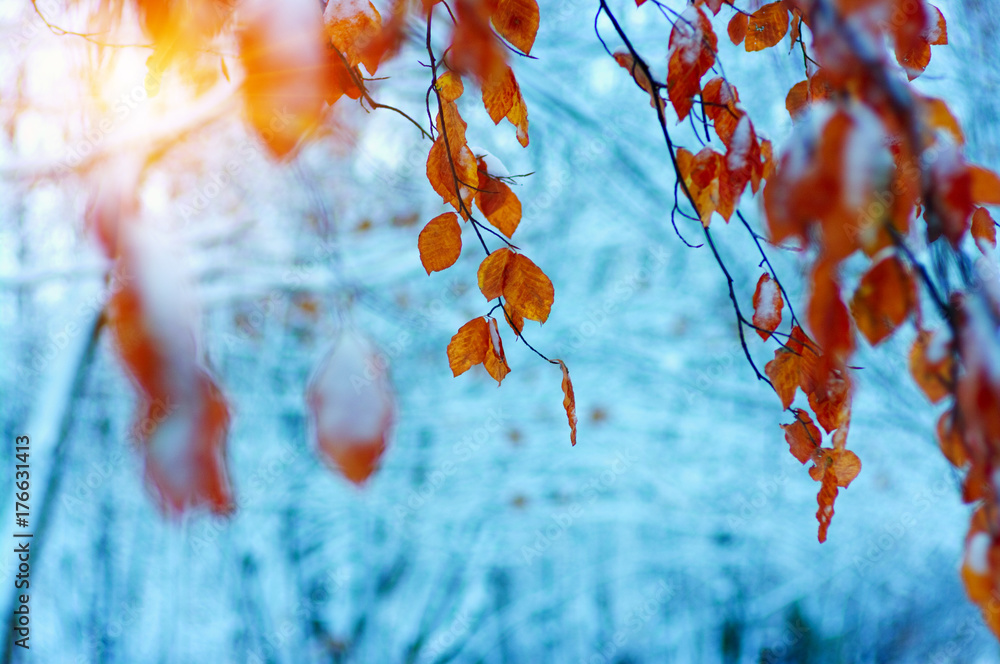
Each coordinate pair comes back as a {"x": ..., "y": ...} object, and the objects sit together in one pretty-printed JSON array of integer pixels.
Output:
[
  {"x": 569, "y": 400},
  {"x": 497, "y": 202},
  {"x": 528, "y": 288},
  {"x": 767, "y": 305},
  {"x": 885, "y": 298},
  {"x": 802, "y": 436},
  {"x": 492, "y": 271},
  {"x": 692, "y": 53},
  {"x": 766, "y": 27},
  {"x": 984, "y": 230},
  {"x": 469, "y": 346},
  {"x": 517, "y": 22},
  {"x": 440, "y": 242},
  {"x": 352, "y": 406},
  {"x": 351, "y": 27},
  {"x": 495, "y": 361}
]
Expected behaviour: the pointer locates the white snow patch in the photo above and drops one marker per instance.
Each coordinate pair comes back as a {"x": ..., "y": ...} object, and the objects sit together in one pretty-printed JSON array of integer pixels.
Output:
[
  {"x": 739, "y": 147},
  {"x": 976, "y": 553},
  {"x": 866, "y": 157}
]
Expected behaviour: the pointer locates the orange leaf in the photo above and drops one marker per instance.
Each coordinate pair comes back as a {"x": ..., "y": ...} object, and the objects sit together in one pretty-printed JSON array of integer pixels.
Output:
[
  {"x": 931, "y": 365},
  {"x": 692, "y": 53},
  {"x": 984, "y": 230},
  {"x": 351, "y": 27},
  {"x": 449, "y": 86},
  {"x": 767, "y": 304},
  {"x": 469, "y": 346},
  {"x": 985, "y": 186},
  {"x": 500, "y": 93},
  {"x": 184, "y": 448},
  {"x": 492, "y": 271},
  {"x": 845, "y": 465},
  {"x": 457, "y": 175},
  {"x": 501, "y": 207},
  {"x": 720, "y": 98},
  {"x": 495, "y": 361},
  {"x": 834, "y": 468},
  {"x": 785, "y": 370},
  {"x": 628, "y": 63},
  {"x": 767, "y": 26},
  {"x": 514, "y": 319},
  {"x": 829, "y": 397},
  {"x": 938, "y": 35},
  {"x": 285, "y": 82},
  {"x": 440, "y": 242},
  {"x": 939, "y": 116},
  {"x": 569, "y": 400},
  {"x": 825, "y": 498},
  {"x": 828, "y": 316},
  {"x": 950, "y": 440},
  {"x": 527, "y": 288},
  {"x": 737, "y": 28},
  {"x": 517, "y": 22},
  {"x": 802, "y": 436},
  {"x": 886, "y": 296},
  {"x": 352, "y": 406}
]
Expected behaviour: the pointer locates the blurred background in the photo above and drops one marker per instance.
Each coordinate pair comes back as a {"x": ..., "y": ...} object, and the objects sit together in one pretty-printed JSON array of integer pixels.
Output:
[{"x": 679, "y": 529}]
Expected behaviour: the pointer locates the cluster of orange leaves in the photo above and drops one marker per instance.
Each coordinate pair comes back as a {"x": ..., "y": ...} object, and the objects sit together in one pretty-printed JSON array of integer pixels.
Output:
[
  {"x": 850, "y": 182},
  {"x": 297, "y": 60}
]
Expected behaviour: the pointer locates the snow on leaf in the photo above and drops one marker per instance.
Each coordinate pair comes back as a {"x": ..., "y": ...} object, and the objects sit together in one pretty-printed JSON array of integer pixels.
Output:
[
  {"x": 569, "y": 400},
  {"x": 352, "y": 25},
  {"x": 495, "y": 360},
  {"x": 720, "y": 99},
  {"x": 767, "y": 26},
  {"x": 950, "y": 440},
  {"x": 517, "y": 22},
  {"x": 627, "y": 62},
  {"x": 767, "y": 305},
  {"x": 184, "y": 448},
  {"x": 469, "y": 346},
  {"x": 885, "y": 298},
  {"x": 492, "y": 272},
  {"x": 440, "y": 242},
  {"x": 984, "y": 230},
  {"x": 352, "y": 406},
  {"x": 931, "y": 364},
  {"x": 692, "y": 53},
  {"x": 285, "y": 83}
]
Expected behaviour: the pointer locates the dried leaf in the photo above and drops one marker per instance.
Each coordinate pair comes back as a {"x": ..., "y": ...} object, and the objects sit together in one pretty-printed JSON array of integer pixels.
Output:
[
  {"x": 569, "y": 400},
  {"x": 527, "y": 288},
  {"x": 885, "y": 298},
  {"x": 469, "y": 346},
  {"x": 767, "y": 305},
  {"x": 767, "y": 26},
  {"x": 692, "y": 53},
  {"x": 802, "y": 436},
  {"x": 440, "y": 242},
  {"x": 517, "y": 22},
  {"x": 492, "y": 271}
]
